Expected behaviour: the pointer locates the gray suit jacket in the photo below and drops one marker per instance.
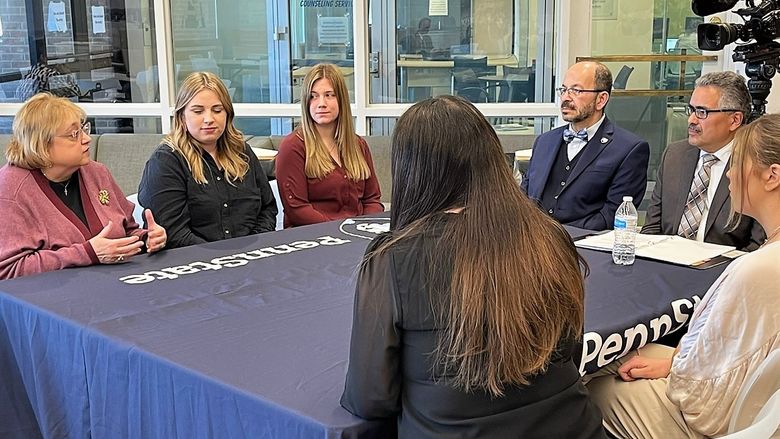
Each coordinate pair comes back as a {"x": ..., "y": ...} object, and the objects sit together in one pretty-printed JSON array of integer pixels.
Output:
[{"x": 675, "y": 175}]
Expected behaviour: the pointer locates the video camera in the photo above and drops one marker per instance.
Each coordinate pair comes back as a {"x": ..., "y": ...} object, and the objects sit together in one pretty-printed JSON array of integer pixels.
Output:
[{"x": 761, "y": 57}]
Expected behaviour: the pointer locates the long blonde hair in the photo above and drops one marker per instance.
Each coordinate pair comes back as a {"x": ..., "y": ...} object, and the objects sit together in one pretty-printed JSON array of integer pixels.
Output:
[
  {"x": 230, "y": 146},
  {"x": 510, "y": 273},
  {"x": 35, "y": 125},
  {"x": 760, "y": 141},
  {"x": 318, "y": 161}
]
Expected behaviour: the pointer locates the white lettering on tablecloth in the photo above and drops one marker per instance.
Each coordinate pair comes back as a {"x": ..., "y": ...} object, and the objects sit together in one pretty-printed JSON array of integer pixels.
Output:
[
  {"x": 596, "y": 348},
  {"x": 230, "y": 261}
]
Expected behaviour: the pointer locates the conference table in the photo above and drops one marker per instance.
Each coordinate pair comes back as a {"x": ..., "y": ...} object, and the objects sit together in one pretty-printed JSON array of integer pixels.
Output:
[{"x": 247, "y": 337}]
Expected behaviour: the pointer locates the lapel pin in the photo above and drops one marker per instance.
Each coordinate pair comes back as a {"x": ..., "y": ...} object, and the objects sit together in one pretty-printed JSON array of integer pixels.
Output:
[
  {"x": 604, "y": 140},
  {"x": 103, "y": 197}
]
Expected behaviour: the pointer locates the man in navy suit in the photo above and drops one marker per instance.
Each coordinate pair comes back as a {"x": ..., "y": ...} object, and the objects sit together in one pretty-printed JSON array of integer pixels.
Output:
[{"x": 579, "y": 173}]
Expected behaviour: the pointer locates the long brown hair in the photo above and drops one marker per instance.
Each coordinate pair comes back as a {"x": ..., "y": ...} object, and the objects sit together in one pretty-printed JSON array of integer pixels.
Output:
[
  {"x": 231, "y": 154},
  {"x": 516, "y": 283},
  {"x": 760, "y": 141},
  {"x": 318, "y": 160}
]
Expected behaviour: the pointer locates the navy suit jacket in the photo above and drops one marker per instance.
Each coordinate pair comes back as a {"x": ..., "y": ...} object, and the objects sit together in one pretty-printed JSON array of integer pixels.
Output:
[{"x": 613, "y": 164}]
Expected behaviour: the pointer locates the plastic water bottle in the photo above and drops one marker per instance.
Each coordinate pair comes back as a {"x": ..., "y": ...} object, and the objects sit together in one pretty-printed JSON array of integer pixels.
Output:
[{"x": 624, "y": 248}]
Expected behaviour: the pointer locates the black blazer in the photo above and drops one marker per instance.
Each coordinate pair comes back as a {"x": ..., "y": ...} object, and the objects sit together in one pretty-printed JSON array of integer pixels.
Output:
[{"x": 673, "y": 182}]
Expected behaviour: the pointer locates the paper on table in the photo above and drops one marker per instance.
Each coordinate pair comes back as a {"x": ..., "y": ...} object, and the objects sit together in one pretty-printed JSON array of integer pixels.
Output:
[
  {"x": 668, "y": 248},
  {"x": 264, "y": 154}
]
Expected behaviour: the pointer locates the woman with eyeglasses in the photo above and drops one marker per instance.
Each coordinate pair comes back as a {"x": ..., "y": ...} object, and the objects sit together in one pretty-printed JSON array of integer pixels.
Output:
[
  {"x": 59, "y": 208},
  {"x": 204, "y": 181}
]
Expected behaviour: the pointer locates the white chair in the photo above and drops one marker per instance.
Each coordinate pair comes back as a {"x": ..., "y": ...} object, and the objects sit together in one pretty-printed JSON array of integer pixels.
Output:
[
  {"x": 148, "y": 83},
  {"x": 757, "y": 409},
  {"x": 138, "y": 212},
  {"x": 200, "y": 64},
  {"x": 279, "y": 207}
]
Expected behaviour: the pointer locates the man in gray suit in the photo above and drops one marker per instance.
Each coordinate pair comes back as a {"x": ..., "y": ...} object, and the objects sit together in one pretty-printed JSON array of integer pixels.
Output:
[{"x": 691, "y": 195}]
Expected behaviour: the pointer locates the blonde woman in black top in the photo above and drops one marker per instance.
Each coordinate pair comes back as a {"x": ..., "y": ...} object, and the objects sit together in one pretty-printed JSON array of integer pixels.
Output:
[{"x": 204, "y": 183}]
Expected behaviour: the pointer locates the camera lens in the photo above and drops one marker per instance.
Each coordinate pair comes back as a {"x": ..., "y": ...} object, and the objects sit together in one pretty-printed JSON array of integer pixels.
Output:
[{"x": 712, "y": 36}]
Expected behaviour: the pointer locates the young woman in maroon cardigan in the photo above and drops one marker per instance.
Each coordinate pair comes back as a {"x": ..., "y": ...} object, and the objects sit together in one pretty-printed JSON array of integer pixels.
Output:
[
  {"x": 59, "y": 208},
  {"x": 323, "y": 168}
]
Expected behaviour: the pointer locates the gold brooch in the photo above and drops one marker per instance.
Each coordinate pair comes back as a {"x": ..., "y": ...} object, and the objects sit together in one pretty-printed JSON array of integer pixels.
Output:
[{"x": 103, "y": 197}]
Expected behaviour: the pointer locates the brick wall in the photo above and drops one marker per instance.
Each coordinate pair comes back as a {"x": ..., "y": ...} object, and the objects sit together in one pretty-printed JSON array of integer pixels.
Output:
[{"x": 14, "y": 53}]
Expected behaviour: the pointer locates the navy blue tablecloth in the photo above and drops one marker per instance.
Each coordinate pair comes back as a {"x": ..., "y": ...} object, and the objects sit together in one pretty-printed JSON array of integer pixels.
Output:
[{"x": 247, "y": 337}]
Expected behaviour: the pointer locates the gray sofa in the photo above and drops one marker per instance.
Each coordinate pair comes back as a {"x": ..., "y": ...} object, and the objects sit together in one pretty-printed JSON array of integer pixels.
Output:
[{"x": 126, "y": 154}]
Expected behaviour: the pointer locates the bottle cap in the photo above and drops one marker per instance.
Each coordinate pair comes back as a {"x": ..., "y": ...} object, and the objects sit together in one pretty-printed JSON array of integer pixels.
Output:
[{"x": 628, "y": 199}]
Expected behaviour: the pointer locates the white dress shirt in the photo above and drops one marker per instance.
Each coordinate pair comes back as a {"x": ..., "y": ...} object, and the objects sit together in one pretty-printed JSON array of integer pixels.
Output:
[
  {"x": 576, "y": 145},
  {"x": 716, "y": 173}
]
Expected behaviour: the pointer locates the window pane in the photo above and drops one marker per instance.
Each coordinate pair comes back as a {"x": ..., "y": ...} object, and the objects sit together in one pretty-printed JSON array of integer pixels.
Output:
[
  {"x": 231, "y": 40},
  {"x": 322, "y": 34},
  {"x": 261, "y": 49},
  {"x": 515, "y": 132},
  {"x": 105, "y": 125},
  {"x": 266, "y": 126},
  {"x": 649, "y": 27},
  {"x": 6, "y": 123},
  {"x": 88, "y": 51},
  {"x": 486, "y": 53}
]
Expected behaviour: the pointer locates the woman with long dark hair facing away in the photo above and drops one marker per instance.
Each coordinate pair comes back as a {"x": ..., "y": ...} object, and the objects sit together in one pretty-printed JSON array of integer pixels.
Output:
[
  {"x": 203, "y": 182},
  {"x": 468, "y": 311},
  {"x": 323, "y": 168}
]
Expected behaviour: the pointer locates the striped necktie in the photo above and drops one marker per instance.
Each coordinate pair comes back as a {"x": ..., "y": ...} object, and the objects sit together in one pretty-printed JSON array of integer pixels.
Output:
[{"x": 696, "y": 204}]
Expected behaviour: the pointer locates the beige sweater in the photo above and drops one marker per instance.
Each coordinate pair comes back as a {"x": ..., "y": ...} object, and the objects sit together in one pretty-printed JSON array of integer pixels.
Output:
[{"x": 742, "y": 326}]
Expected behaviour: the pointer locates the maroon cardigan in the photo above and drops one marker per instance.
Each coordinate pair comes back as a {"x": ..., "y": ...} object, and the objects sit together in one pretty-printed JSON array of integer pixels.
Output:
[
  {"x": 311, "y": 200},
  {"x": 40, "y": 233}
]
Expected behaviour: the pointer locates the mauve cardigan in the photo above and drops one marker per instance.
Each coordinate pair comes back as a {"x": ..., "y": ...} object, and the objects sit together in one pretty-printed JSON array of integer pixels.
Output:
[{"x": 40, "y": 233}]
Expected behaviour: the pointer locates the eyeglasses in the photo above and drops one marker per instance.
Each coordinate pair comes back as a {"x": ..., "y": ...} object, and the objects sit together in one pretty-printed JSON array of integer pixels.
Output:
[
  {"x": 574, "y": 91},
  {"x": 702, "y": 113},
  {"x": 75, "y": 135}
]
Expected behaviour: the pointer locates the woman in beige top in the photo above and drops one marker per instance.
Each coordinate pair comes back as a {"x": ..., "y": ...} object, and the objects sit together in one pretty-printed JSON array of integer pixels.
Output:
[{"x": 691, "y": 391}]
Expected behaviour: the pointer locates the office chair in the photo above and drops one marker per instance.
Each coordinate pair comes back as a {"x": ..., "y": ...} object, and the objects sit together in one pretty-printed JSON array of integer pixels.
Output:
[
  {"x": 474, "y": 94},
  {"x": 621, "y": 80},
  {"x": 138, "y": 210},
  {"x": 280, "y": 208},
  {"x": 104, "y": 90},
  {"x": 515, "y": 91},
  {"x": 673, "y": 75},
  {"x": 465, "y": 78}
]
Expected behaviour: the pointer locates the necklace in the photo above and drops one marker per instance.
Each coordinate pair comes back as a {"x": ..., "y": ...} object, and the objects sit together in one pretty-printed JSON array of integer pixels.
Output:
[
  {"x": 770, "y": 236},
  {"x": 59, "y": 183},
  {"x": 64, "y": 186}
]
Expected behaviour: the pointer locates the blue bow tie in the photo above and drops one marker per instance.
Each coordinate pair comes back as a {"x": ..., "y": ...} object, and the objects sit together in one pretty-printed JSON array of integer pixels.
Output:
[{"x": 569, "y": 135}]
